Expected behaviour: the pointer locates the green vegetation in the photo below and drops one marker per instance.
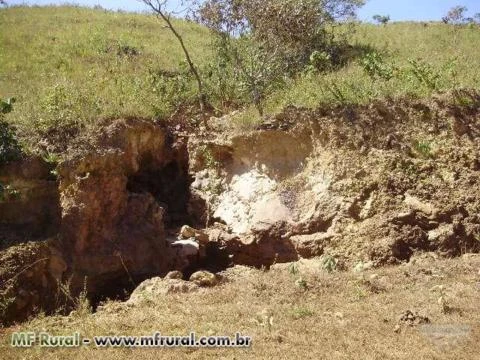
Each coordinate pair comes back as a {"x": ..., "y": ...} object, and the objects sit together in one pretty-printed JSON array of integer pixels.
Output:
[
  {"x": 435, "y": 57},
  {"x": 300, "y": 313},
  {"x": 424, "y": 148},
  {"x": 381, "y": 19},
  {"x": 69, "y": 67},
  {"x": 329, "y": 263},
  {"x": 9, "y": 147},
  {"x": 263, "y": 42}
]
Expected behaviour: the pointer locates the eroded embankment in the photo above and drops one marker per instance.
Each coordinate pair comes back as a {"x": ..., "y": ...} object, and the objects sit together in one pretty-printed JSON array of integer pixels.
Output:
[
  {"x": 114, "y": 202},
  {"x": 371, "y": 184}
]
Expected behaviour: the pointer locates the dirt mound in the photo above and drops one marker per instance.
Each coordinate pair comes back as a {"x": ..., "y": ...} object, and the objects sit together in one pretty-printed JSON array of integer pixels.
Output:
[
  {"x": 29, "y": 202},
  {"x": 30, "y": 274}
]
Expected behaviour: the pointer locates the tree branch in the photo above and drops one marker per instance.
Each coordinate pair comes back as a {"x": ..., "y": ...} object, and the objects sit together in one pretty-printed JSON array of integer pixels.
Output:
[{"x": 158, "y": 8}]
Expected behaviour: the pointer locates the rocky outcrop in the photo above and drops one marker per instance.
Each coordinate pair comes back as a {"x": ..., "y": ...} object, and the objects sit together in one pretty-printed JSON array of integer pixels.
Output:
[
  {"x": 30, "y": 265},
  {"x": 154, "y": 287},
  {"x": 115, "y": 205},
  {"x": 108, "y": 211},
  {"x": 370, "y": 184}
]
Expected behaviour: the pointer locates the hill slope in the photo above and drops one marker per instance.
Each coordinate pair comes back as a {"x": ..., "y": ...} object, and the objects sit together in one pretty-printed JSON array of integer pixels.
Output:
[
  {"x": 296, "y": 218},
  {"x": 70, "y": 66},
  {"x": 442, "y": 52}
]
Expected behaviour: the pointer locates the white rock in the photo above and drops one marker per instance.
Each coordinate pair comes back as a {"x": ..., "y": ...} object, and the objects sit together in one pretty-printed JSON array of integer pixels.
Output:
[
  {"x": 251, "y": 198},
  {"x": 186, "y": 247},
  {"x": 416, "y": 204}
]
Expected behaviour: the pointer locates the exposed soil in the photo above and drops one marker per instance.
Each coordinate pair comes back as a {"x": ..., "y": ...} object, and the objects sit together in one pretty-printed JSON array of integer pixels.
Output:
[
  {"x": 375, "y": 183},
  {"x": 369, "y": 184}
]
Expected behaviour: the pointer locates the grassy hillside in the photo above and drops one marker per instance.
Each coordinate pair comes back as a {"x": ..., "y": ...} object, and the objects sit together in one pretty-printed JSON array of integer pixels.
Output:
[
  {"x": 70, "y": 65},
  {"x": 449, "y": 52}
]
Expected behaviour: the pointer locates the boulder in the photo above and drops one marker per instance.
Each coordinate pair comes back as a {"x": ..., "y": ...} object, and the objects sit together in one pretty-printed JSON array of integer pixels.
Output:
[
  {"x": 204, "y": 279},
  {"x": 29, "y": 278},
  {"x": 441, "y": 234},
  {"x": 312, "y": 245},
  {"x": 152, "y": 288},
  {"x": 174, "y": 275},
  {"x": 417, "y": 204},
  {"x": 188, "y": 232}
]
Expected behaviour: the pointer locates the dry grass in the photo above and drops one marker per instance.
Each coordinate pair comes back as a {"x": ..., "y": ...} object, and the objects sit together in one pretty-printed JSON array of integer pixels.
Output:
[{"x": 342, "y": 315}]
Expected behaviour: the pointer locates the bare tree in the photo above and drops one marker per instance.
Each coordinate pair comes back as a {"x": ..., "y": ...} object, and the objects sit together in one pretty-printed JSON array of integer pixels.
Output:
[{"x": 159, "y": 7}]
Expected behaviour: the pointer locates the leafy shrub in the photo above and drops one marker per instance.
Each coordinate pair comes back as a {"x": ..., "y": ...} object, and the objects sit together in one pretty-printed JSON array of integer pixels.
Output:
[
  {"x": 6, "y": 106},
  {"x": 455, "y": 15},
  {"x": 170, "y": 89},
  {"x": 329, "y": 263},
  {"x": 266, "y": 40},
  {"x": 124, "y": 49},
  {"x": 320, "y": 60},
  {"x": 374, "y": 65},
  {"x": 293, "y": 268},
  {"x": 10, "y": 149},
  {"x": 424, "y": 73},
  {"x": 221, "y": 76},
  {"x": 66, "y": 104},
  {"x": 381, "y": 19},
  {"x": 292, "y": 28}
]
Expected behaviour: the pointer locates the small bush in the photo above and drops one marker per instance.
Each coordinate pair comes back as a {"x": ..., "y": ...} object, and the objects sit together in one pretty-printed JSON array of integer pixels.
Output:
[
  {"x": 6, "y": 106},
  {"x": 374, "y": 65},
  {"x": 320, "y": 60},
  {"x": 424, "y": 73},
  {"x": 329, "y": 263},
  {"x": 267, "y": 41},
  {"x": 456, "y": 15},
  {"x": 381, "y": 19},
  {"x": 170, "y": 90},
  {"x": 424, "y": 148}
]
